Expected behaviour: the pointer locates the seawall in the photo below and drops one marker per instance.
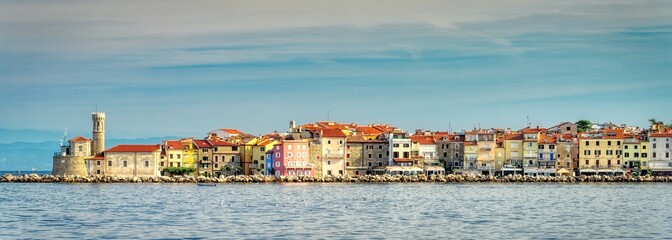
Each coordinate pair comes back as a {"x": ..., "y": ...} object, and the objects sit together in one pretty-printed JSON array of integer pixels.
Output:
[{"x": 34, "y": 178}]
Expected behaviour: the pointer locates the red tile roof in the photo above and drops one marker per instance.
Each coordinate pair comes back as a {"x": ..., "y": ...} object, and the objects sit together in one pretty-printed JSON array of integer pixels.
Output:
[
  {"x": 533, "y": 130},
  {"x": 134, "y": 148},
  {"x": 202, "y": 144},
  {"x": 547, "y": 139},
  {"x": 80, "y": 139},
  {"x": 423, "y": 140},
  {"x": 369, "y": 130},
  {"x": 329, "y": 132},
  {"x": 220, "y": 143},
  {"x": 513, "y": 136},
  {"x": 173, "y": 144},
  {"x": 265, "y": 142},
  {"x": 231, "y": 131},
  {"x": 660, "y": 135}
]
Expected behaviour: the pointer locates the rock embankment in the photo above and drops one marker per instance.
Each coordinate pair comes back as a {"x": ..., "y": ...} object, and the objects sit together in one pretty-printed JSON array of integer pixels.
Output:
[{"x": 34, "y": 178}]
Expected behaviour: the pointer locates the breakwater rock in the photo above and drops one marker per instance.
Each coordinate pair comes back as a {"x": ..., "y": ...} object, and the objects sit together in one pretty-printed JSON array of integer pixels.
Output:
[{"x": 34, "y": 178}]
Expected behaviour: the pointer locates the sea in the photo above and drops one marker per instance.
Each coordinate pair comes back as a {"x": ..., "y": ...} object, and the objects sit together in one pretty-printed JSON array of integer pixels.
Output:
[{"x": 336, "y": 211}]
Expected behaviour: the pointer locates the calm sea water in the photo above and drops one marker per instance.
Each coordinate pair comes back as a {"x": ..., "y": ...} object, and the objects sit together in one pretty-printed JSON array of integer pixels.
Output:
[{"x": 296, "y": 211}]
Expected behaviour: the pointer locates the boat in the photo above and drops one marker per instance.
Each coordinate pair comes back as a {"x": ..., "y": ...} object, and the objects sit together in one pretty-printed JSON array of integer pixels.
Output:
[{"x": 207, "y": 184}]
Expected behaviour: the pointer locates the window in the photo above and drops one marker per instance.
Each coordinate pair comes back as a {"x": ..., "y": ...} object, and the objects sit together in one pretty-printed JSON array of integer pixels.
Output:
[
  {"x": 205, "y": 150},
  {"x": 369, "y": 155},
  {"x": 654, "y": 145},
  {"x": 644, "y": 155},
  {"x": 635, "y": 155},
  {"x": 340, "y": 142},
  {"x": 608, "y": 143},
  {"x": 291, "y": 172},
  {"x": 370, "y": 164},
  {"x": 263, "y": 149},
  {"x": 289, "y": 154},
  {"x": 299, "y": 173},
  {"x": 396, "y": 155},
  {"x": 667, "y": 155},
  {"x": 162, "y": 164},
  {"x": 586, "y": 152},
  {"x": 597, "y": 143},
  {"x": 597, "y": 162},
  {"x": 233, "y": 158},
  {"x": 608, "y": 162},
  {"x": 125, "y": 163},
  {"x": 146, "y": 163},
  {"x": 277, "y": 155},
  {"x": 618, "y": 143},
  {"x": 216, "y": 165},
  {"x": 380, "y": 155},
  {"x": 171, "y": 164},
  {"x": 347, "y": 155},
  {"x": 587, "y": 143},
  {"x": 178, "y": 156},
  {"x": 216, "y": 158},
  {"x": 514, "y": 145},
  {"x": 406, "y": 155},
  {"x": 569, "y": 129},
  {"x": 587, "y": 162},
  {"x": 348, "y": 146},
  {"x": 289, "y": 147},
  {"x": 178, "y": 164},
  {"x": 380, "y": 146},
  {"x": 328, "y": 172},
  {"x": 308, "y": 172},
  {"x": 234, "y": 148},
  {"x": 171, "y": 156},
  {"x": 380, "y": 164},
  {"x": 328, "y": 162},
  {"x": 98, "y": 163},
  {"x": 80, "y": 148},
  {"x": 654, "y": 155},
  {"x": 98, "y": 171},
  {"x": 541, "y": 146},
  {"x": 328, "y": 141},
  {"x": 551, "y": 147},
  {"x": 340, "y": 172},
  {"x": 216, "y": 149},
  {"x": 261, "y": 158},
  {"x": 347, "y": 164},
  {"x": 627, "y": 154},
  {"x": 277, "y": 163},
  {"x": 406, "y": 145},
  {"x": 395, "y": 145}
]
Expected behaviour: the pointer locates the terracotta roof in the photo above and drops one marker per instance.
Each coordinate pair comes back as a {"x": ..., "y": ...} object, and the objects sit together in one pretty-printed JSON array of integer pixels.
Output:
[
  {"x": 80, "y": 139},
  {"x": 470, "y": 143},
  {"x": 231, "y": 131},
  {"x": 423, "y": 140},
  {"x": 329, "y": 132},
  {"x": 368, "y": 130},
  {"x": 173, "y": 144},
  {"x": 513, "y": 136},
  {"x": 660, "y": 135},
  {"x": 265, "y": 142},
  {"x": 219, "y": 143},
  {"x": 533, "y": 130},
  {"x": 613, "y": 133},
  {"x": 202, "y": 144},
  {"x": 134, "y": 148},
  {"x": 547, "y": 139}
]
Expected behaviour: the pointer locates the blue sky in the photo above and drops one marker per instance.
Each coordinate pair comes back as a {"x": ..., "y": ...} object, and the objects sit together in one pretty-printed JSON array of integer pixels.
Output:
[{"x": 178, "y": 68}]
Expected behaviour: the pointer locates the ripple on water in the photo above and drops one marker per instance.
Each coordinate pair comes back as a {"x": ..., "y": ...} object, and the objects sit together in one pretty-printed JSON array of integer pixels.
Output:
[{"x": 254, "y": 211}]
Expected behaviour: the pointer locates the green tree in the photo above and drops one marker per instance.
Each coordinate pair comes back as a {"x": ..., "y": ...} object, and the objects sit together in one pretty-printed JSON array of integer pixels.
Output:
[{"x": 583, "y": 125}]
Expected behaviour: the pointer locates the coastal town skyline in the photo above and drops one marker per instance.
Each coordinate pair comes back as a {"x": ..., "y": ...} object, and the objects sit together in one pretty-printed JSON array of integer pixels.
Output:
[{"x": 175, "y": 68}]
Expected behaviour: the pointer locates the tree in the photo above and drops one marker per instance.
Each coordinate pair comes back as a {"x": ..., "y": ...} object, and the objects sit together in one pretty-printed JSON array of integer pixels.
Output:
[{"x": 583, "y": 125}]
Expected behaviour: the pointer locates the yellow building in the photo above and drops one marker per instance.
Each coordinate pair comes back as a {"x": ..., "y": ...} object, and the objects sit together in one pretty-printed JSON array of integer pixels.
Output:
[
  {"x": 173, "y": 149},
  {"x": 635, "y": 157},
  {"x": 189, "y": 153},
  {"x": 513, "y": 154},
  {"x": 601, "y": 152},
  {"x": 259, "y": 155}
]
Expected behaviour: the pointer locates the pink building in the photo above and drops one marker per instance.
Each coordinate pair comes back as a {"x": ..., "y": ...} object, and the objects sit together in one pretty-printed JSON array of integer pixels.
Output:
[{"x": 291, "y": 159}]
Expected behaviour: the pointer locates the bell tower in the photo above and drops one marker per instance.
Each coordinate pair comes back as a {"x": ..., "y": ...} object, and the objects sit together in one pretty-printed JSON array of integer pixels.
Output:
[{"x": 98, "y": 143}]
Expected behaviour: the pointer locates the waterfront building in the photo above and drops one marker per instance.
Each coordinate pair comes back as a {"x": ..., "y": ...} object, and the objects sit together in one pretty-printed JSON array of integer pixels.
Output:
[
  {"x": 259, "y": 152},
  {"x": 531, "y": 138},
  {"x": 205, "y": 160},
  {"x": 635, "y": 156},
  {"x": 479, "y": 151},
  {"x": 174, "y": 153},
  {"x": 129, "y": 161},
  {"x": 400, "y": 161},
  {"x": 568, "y": 155},
  {"x": 225, "y": 158},
  {"x": 73, "y": 154},
  {"x": 545, "y": 165},
  {"x": 513, "y": 154},
  {"x": 366, "y": 154},
  {"x": 268, "y": 169},
  {"x": 450, "y": 149},
  {"x": 600, "y": 152},
  {"x": 333, "y": 143},
  {"x": 660, "y": 161},
  {"x": 291, "y": 158},
  {"x": 189, "y": 153}
]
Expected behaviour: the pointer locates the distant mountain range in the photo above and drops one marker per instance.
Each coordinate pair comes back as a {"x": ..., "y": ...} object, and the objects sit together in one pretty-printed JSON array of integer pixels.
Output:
[{"x": 25, "y": 155}]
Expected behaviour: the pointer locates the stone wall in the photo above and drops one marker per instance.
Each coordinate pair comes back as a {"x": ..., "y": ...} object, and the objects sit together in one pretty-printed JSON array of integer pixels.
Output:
[
  {"x": 137, "y": 164},
  {"x": 69, "y": 165}
]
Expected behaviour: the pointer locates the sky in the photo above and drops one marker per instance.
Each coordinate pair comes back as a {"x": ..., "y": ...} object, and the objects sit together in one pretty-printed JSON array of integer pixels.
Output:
[{"x": 183, "y": 68}]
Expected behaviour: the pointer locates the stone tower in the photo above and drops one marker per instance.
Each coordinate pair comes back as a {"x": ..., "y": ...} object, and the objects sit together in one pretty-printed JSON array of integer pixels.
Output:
[{"x": 98, "y": 143}]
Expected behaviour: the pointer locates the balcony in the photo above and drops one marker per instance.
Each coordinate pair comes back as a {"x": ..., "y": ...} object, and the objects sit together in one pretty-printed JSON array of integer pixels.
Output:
[
  {"x": 485, "y": 168},
  {"x": 530, "y": 155},
  {"x": 485, "y": 148},
  {"x": 205, "y": 162}
]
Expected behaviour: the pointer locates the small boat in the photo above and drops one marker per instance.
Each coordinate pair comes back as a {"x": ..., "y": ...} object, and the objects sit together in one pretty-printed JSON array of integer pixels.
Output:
[{"x": 207, "y": 184}]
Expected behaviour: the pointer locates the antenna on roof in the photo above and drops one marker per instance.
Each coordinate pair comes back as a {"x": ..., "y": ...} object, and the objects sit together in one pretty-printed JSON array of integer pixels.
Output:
[
  {"x": 328, "y": 116},
  {"x": 449, "y": 128}
]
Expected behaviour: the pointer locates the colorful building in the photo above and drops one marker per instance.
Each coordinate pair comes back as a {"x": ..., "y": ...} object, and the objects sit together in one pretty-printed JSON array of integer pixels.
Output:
[
  {"x": 333, "y": 143},
  {"x": 513, "y": 154},
  {"x": 259, "y": 152},
  {"x": 205, "y": 160},
  {"x": 225, "y": 158},
  {"x": 600, "y": 152},
  {"x": 291, "y": 159}
]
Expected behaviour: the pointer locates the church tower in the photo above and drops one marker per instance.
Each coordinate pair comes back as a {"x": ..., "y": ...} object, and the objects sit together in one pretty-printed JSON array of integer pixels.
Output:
[{"x": 98, "y": 143}]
